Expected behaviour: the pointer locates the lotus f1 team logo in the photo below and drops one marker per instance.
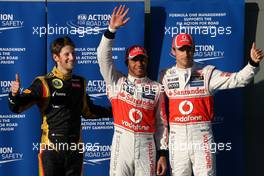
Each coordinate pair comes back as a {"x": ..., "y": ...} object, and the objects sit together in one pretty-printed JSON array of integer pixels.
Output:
[
  {"x": 186, "y": 107},
  {"x": 135, "y": 115}
]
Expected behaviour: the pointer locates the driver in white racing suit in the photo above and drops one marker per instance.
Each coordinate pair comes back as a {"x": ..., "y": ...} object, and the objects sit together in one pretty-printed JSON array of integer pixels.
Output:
[
  {"x": 140, "y": 125},
  {"x": 190, "y": 87}
]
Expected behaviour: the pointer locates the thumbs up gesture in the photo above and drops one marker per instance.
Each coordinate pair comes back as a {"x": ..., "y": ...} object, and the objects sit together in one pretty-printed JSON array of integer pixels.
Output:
[
  {"x": 15, "y": 86},
  {"x": 256, "y": 54}
]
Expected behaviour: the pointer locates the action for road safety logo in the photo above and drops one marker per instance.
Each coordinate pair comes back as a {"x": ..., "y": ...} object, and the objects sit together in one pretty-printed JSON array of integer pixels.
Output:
[{"x": 8, "y": 155}]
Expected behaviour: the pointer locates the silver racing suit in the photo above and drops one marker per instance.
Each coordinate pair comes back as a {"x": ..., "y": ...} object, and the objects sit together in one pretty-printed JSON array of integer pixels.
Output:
[
  {"x": 190, "y": 94},
  {"x": 140, "y": 125}
]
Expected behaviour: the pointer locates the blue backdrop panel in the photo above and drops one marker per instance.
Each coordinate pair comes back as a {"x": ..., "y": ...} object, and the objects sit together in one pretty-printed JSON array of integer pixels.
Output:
[
  {"x": 21, "y": 51},
  {"x": 217, "y": 27},
  {"x": 85, "y": 23}
]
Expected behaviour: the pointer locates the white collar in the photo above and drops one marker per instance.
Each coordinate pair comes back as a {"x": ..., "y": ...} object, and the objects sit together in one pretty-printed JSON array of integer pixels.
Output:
[{"x": 136, "y": 80}]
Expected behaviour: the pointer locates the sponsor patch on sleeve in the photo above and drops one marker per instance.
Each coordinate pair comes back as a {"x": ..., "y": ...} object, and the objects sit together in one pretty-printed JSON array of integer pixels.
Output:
[{"x": 27, "y": 91}]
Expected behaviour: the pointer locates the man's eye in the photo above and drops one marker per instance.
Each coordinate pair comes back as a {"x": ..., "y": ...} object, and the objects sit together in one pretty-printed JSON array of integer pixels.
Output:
[{"x": 182, "y": 49}]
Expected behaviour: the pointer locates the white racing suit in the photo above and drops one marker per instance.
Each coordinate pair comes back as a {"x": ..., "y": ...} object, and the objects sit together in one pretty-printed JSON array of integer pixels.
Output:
[
  {"x": 190, "y": 94},
  {"x": 140, "y": 125}
]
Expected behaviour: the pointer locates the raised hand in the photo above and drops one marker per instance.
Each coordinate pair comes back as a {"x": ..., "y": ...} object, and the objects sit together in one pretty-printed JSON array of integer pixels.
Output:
[
  {"x": 256, "y": 54},
  {"x": 118, "y": 17},
  {"x": 15, "y": 86}
]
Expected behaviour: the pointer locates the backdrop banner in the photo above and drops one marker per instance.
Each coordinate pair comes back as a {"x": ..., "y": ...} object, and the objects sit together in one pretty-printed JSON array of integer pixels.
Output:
[
  {"x": 217, "y": 27},
  {"x": 20, "y": 52},
  {"x": 85, "y": 23}
]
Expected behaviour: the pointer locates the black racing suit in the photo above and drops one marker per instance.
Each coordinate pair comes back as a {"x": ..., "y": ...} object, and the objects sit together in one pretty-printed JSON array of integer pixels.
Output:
[{"x": 62, "y": 100}]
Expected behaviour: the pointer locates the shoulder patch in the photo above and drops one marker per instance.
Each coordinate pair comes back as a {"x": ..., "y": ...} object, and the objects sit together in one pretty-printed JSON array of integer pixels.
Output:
[{"x": 27, "y": 91}]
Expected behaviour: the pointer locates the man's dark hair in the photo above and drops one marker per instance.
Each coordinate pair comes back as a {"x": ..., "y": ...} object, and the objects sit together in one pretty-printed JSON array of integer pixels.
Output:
[
  {"x": 59, "y": 43},
  {"x": 127, "y": 52}
]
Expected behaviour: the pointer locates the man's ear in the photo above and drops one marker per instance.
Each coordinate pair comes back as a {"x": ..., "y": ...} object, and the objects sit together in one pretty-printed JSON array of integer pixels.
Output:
[
  {"x": 173, "y": 52},
  {"x": 55, "y": 57}
]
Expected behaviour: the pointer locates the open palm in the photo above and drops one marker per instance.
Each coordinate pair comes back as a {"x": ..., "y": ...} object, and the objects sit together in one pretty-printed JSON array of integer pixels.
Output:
[{"x": 118, "y": 17}]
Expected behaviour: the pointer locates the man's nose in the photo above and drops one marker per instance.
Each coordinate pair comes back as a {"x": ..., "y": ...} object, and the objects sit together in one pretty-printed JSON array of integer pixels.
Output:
[
  {"x": 139, "y": 62},
  {"x": 72, "y": 56},
  {"x": 187, "y": 53}
]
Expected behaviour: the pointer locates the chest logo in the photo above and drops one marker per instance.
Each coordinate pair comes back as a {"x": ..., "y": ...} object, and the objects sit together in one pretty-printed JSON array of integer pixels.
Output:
[
  {"x": 135, "y": 115},
  {"x": 57, "y": 83},
  {"x": 186, "y": 107}
]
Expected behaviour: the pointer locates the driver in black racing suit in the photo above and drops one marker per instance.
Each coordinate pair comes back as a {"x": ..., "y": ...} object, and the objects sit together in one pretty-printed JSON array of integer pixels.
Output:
[{"x": 62, "y": 100}]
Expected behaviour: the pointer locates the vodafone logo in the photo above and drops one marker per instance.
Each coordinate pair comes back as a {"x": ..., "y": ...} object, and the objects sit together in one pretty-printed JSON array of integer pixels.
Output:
[
  {"x": 184, "y": 39},
  {"x": 135, "y": 115},
  {"x": 186, "y": 107}
]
